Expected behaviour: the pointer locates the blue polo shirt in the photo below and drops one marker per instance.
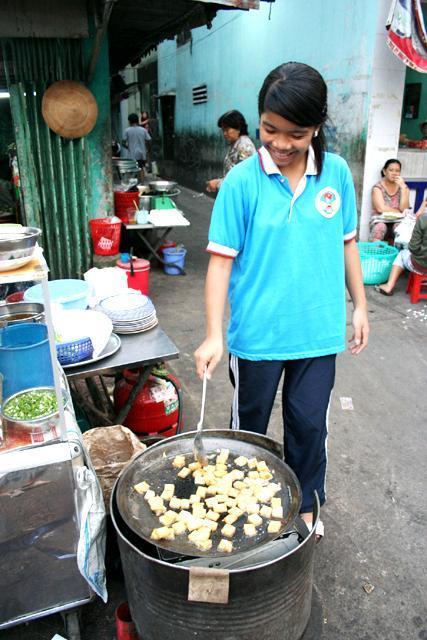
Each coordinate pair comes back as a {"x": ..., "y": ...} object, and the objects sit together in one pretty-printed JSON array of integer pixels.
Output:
[{"x": 287, "y": 285}]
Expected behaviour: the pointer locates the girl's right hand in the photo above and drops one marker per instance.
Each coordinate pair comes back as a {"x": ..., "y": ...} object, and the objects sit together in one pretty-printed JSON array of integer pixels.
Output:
[{"x": 208, "y": 355}]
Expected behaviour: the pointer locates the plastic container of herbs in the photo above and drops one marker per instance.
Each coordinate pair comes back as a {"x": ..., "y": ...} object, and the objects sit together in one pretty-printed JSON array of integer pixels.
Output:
[{"x": 34, "y": 410}]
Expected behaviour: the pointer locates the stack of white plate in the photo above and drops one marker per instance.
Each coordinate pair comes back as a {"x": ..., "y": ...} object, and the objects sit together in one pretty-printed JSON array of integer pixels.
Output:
[{"x": 130, "y": 312}]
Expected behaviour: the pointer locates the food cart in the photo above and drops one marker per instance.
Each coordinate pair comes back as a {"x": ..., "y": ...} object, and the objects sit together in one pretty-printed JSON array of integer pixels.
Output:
[{"x": 48, "y": 497}]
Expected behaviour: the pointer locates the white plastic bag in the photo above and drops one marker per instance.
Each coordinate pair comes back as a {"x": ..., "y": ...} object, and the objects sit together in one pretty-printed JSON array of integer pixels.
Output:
[{"x": 403, "y": 231}]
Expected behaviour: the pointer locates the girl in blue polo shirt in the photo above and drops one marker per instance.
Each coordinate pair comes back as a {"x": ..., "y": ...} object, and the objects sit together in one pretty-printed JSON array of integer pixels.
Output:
[{"x": 282, "y": 244}]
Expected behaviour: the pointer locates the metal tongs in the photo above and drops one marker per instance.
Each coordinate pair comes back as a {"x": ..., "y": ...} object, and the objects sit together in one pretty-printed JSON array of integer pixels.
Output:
[{"x": 199, "y": 450}]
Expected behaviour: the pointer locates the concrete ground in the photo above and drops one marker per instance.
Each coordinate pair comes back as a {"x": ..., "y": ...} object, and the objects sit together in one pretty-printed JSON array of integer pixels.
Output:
[{"x": 370, "y": 569}]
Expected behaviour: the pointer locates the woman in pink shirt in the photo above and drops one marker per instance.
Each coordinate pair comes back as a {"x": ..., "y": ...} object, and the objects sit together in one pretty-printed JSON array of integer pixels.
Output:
[{"x": 391, "y": 194}]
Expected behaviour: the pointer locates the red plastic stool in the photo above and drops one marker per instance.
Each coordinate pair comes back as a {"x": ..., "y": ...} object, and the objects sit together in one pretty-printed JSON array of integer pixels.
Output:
[{"x": 416, "y": 283}]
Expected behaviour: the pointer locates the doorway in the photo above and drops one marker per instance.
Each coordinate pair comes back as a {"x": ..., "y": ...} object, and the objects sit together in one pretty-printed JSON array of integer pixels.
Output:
[{"x": 168, "y": 126}]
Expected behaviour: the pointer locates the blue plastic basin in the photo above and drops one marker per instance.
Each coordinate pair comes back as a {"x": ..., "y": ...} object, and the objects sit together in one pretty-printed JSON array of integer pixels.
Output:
[{"x": 71, "y": 294}]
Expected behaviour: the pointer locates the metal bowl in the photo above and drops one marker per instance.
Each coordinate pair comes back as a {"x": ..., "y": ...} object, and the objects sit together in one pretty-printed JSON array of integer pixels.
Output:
[
  {"x": 162, "y": 186},
  {"x": 17, "y": 312},
  {"x": 17, "y": 243},
  {"x": 49, "y": 422}
]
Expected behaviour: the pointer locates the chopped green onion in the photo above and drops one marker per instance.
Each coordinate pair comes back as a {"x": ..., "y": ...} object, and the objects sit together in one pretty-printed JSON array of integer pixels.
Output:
[{"x": 31, "y": 405}]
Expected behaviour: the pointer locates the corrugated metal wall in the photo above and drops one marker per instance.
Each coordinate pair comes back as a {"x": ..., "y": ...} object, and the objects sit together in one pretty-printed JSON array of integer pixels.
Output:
[{"x": 52, "y": 169}]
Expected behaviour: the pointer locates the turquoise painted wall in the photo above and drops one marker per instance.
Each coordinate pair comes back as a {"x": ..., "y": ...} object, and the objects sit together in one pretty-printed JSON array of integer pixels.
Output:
[{"x": 242, "y": 47}]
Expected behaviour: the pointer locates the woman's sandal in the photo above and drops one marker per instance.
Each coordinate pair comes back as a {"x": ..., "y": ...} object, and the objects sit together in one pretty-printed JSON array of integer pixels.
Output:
[{"x": 385, "y": 293}]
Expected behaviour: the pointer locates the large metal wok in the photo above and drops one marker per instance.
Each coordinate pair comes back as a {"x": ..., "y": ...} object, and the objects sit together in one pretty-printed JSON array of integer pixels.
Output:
[{"x": 154, "y": 465}]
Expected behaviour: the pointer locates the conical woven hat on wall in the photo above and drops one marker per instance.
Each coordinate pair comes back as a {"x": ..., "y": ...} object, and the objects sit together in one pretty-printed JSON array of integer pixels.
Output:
[{"x": 69, "y": 109}]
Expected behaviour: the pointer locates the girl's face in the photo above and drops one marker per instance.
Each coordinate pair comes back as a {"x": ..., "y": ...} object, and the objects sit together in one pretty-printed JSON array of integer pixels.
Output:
[
  {"x": 286, "y": 141},
  {"x": 392, "y": 172},
  {"x": 230, "y": 134}
]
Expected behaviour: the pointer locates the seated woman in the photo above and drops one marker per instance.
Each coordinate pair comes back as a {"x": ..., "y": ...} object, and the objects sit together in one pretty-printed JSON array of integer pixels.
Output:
[
  {"x": 390, "y": 194},
  {"x": 414, "y": 258},
  {"x": 235, "y": 132}
]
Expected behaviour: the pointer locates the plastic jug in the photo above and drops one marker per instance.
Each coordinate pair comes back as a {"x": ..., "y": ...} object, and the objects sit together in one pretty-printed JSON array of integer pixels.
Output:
[{"x": 24, "y": 358}]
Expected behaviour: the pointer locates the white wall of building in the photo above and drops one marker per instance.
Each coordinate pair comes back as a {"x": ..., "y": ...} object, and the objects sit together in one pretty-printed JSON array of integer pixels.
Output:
[{"x": 388, "y": 81}]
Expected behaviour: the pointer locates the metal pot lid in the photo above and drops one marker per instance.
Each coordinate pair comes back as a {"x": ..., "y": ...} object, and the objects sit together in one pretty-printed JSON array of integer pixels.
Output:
[
  {"x": 154, "y": 465},
  {"x": 162, "y": 186}
]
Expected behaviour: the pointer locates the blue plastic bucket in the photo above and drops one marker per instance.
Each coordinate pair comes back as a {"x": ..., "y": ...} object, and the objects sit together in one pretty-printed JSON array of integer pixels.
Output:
[
  {"x": 24, "y": 357},
  {"x": 71, "y": 294},
  {"x": 174, "y": 256}
]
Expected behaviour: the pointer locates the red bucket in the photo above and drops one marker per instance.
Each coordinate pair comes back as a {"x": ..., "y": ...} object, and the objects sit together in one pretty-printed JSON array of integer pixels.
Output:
[
  {"x": 105, "y": 236},
  {"x": 125, "y": 626},
  {"x": 141, "y": 274},
  {"x": 124, "y": 203}
]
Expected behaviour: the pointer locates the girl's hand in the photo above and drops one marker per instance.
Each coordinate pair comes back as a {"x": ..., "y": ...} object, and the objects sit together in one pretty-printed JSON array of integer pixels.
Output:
[
  {"x": 359, "y": 339},
  {"x": 422, "y": 209},
  {"x": 208, "y": 355},
  {"x": 212, "y": 185}
]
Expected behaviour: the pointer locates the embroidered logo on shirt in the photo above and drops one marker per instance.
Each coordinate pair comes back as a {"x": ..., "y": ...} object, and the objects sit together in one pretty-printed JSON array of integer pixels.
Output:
[{"x": 328, "y": 202}]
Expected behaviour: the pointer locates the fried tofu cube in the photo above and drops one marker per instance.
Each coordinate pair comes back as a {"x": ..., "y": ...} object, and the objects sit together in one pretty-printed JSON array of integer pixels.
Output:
[
  {"x": 213, "y": 526},
  {"x": 274, "y": 488},
  {"x": 276, "y": 502},
  {"x": 265, "y": 511},
  {"x": 178, "y": 462},
  {"x": 255, "y": 519},
  {"x": 220, "y": 508},
  {"x": 237, "y": 474},
  {"x": 241, "y": 461},
  {"x": 277, "y": 513},
  {"x": 194, "y": 523},
  {"x": 211, "y": 515},
  {"x": 235, "y": 511},
  {"x": 274, "y": 526},
  {"x": 230, "y": 519},
  {"x": 252, "y": 508},
  {"x": 184, "y": 515},
  {"x": 211, "y": 502},
  {"x": 264, "y": 495},
  {"x": 142, "y": 487},
  {"x": 201, "y": 492},
  {"x": 185, "y": 503},
  {"x": 168, "y": 491},
  {"x": 199, "y": 511},
  {"x": 262, "y": 466},
  {"x": 231, "y": 502},
  {"x": 221, "y": 497},
  {"x": 200, "y": 535},
  {"x": 253, "y": 474},
  {"x": 220, "y": 473},
  {"x": 193, "y": 466},
  {"x": 233, "y": 493},
  {"x": 225, "y": 546},
  {"x": 168, "y": 518},
  {"x": 194, "y": 498},
  {"x": 185, "y": 471},
  {"x": 249, "y": 530},
  {"x": 163, "y": 533},
  {"x": 179, "y": 527},
  {"x": 210, "y": 489},
  {"x": 204, "y": 545},
  {"x": 228, "y": 530},
  {"x": 175, "y": 503},
  {"x": 265, "y": 475},
  {"x": 199, "y": 479},
  {"x": 157, "y": 506},
  {"x": 150, "y": 494},
  {"x": 252, "y": 463},
  {"x": 239, "y": 485},
  {"x": 223, "y": 456}
]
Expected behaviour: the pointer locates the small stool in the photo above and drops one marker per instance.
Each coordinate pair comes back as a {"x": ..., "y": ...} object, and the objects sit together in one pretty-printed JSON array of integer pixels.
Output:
[{"x": 415, "y": 284}]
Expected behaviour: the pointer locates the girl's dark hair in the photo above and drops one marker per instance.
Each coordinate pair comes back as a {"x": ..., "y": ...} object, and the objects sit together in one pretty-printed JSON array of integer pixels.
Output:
[
  {"x": 235, "y": 120},
  {"x": 297, "y": 92},
  {"x": 388, "y": 163}
]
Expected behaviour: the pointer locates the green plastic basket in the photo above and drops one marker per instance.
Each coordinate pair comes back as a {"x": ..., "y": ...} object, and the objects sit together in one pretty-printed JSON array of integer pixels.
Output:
[{"x": 377, "y": 259}]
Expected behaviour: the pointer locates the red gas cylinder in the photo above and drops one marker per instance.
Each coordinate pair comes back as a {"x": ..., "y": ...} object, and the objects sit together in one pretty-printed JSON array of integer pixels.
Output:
[{"x": 155, "y": 410}]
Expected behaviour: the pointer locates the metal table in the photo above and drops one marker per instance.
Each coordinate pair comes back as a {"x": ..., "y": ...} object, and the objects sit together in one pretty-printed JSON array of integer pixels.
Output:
[
  {"x": 139, "y": 350},
  {"x": 141, "y": 229}
]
